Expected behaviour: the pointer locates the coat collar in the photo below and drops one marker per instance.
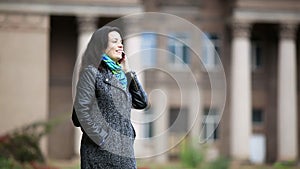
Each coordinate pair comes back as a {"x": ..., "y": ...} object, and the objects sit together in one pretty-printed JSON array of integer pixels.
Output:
[{"x": 109, "y": 78}]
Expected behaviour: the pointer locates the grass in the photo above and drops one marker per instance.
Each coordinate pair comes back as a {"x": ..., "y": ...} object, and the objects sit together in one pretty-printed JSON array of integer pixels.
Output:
[
  {"x": 177, "y": 165},
  {"x": 68, "y": 164},
  {"x": 74, "y": 164}
]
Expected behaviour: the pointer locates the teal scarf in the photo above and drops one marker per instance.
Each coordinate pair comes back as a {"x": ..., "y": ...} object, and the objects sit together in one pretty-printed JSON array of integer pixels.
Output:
[{"x": 116, "y": 70}]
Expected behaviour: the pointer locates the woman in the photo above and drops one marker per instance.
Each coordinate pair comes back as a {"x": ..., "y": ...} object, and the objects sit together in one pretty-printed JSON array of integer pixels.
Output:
[{"x": 106, "y": 91}]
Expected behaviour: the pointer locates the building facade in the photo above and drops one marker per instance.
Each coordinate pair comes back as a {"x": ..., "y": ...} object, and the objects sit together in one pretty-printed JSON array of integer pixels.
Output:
[{"x": 257, "y": 43}]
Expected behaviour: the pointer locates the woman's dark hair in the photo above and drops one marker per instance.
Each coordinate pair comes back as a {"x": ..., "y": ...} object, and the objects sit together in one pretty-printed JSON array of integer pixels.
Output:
[{"x": 96, "y": 46}]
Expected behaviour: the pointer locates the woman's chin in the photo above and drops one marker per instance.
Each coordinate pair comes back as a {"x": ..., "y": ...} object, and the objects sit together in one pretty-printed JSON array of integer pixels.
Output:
[{"x": 116, "y": 58}]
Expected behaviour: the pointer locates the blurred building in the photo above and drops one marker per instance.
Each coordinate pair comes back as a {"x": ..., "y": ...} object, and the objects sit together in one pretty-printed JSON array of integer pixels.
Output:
[{"x": 257, "y": 41}]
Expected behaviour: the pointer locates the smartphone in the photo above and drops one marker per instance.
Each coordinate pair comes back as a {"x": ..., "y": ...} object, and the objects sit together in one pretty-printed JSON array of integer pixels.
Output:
[{"x": 123, "y": 57}]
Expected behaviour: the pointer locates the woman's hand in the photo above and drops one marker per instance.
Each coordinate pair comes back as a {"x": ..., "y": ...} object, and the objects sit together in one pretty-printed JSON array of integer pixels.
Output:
[{"x": 124, "y": 63}]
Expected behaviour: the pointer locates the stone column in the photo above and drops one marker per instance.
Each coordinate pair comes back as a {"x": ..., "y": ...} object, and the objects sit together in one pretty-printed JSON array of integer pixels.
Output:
[
  {"x": 240, "y": 92},
  {"x": 287, "y": 94},
  {"x": 24, "y": 70},
  {"x": 161, "y": 124},
  {"x": 86, "y": 27}
]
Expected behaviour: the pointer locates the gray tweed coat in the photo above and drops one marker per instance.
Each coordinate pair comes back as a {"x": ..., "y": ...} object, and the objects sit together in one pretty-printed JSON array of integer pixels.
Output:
[{"x": 103, "y": 109}]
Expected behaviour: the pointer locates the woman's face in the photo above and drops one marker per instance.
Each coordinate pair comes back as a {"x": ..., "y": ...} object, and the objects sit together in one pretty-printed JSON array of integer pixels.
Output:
[{"x": 114, "y": 46}]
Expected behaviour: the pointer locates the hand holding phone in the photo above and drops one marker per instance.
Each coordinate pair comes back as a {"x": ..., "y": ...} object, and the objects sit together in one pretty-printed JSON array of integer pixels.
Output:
[
  {"x": 123, "y": 58},
  {"x": 124, "y": 62}
]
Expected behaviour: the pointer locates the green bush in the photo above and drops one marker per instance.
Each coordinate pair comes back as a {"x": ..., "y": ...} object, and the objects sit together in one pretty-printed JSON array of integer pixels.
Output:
[
  {"x": 284, "y": 165},
  {"x": 25, "y": 148},
  {"x": 5, "y": 163},
  {"x": 219, "y": 163},
  {"x": 22, "y": 145},
  {"x": 190, "y": 156},
  {"x": 8, "y": 163}
]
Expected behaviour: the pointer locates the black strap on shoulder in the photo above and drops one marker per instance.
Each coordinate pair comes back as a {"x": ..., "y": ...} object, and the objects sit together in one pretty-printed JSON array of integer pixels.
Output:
[{"x": 75, "y": 120}]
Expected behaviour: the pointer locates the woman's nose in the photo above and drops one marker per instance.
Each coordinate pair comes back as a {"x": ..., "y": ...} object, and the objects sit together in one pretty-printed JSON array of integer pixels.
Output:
[{"x": 120, "y": 45}]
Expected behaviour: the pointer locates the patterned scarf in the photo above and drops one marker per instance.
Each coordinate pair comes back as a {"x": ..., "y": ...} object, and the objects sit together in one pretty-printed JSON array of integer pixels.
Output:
[{"x": 116, "y": 70}]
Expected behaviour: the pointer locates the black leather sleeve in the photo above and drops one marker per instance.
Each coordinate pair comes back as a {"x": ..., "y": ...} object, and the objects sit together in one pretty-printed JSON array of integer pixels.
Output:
[
  {"x": 139, "y": 96},
  {"x": 86, "y": 107}
]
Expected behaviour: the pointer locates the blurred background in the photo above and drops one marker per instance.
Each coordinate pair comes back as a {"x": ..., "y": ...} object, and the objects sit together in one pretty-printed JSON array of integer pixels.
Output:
[{"x": 255, "y": 42}]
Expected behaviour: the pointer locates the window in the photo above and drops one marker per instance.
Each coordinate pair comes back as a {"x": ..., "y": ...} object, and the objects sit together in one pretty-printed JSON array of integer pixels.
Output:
[
  {"x": 178, "y": 48},
  {"x": 211, "y": 49},
  {"x": 148, "y": 46},
  {"x": 256, "y": 55},
  {"x": 178, "y": 120},
  {"x": 257, "y": 116},
  {"x": 148, "y": 127},
  {"x": 210, "y": 124}
]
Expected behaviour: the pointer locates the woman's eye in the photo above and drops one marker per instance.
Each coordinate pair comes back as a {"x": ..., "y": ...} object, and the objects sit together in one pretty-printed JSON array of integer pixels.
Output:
[{"x": 117, "y": 41}]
